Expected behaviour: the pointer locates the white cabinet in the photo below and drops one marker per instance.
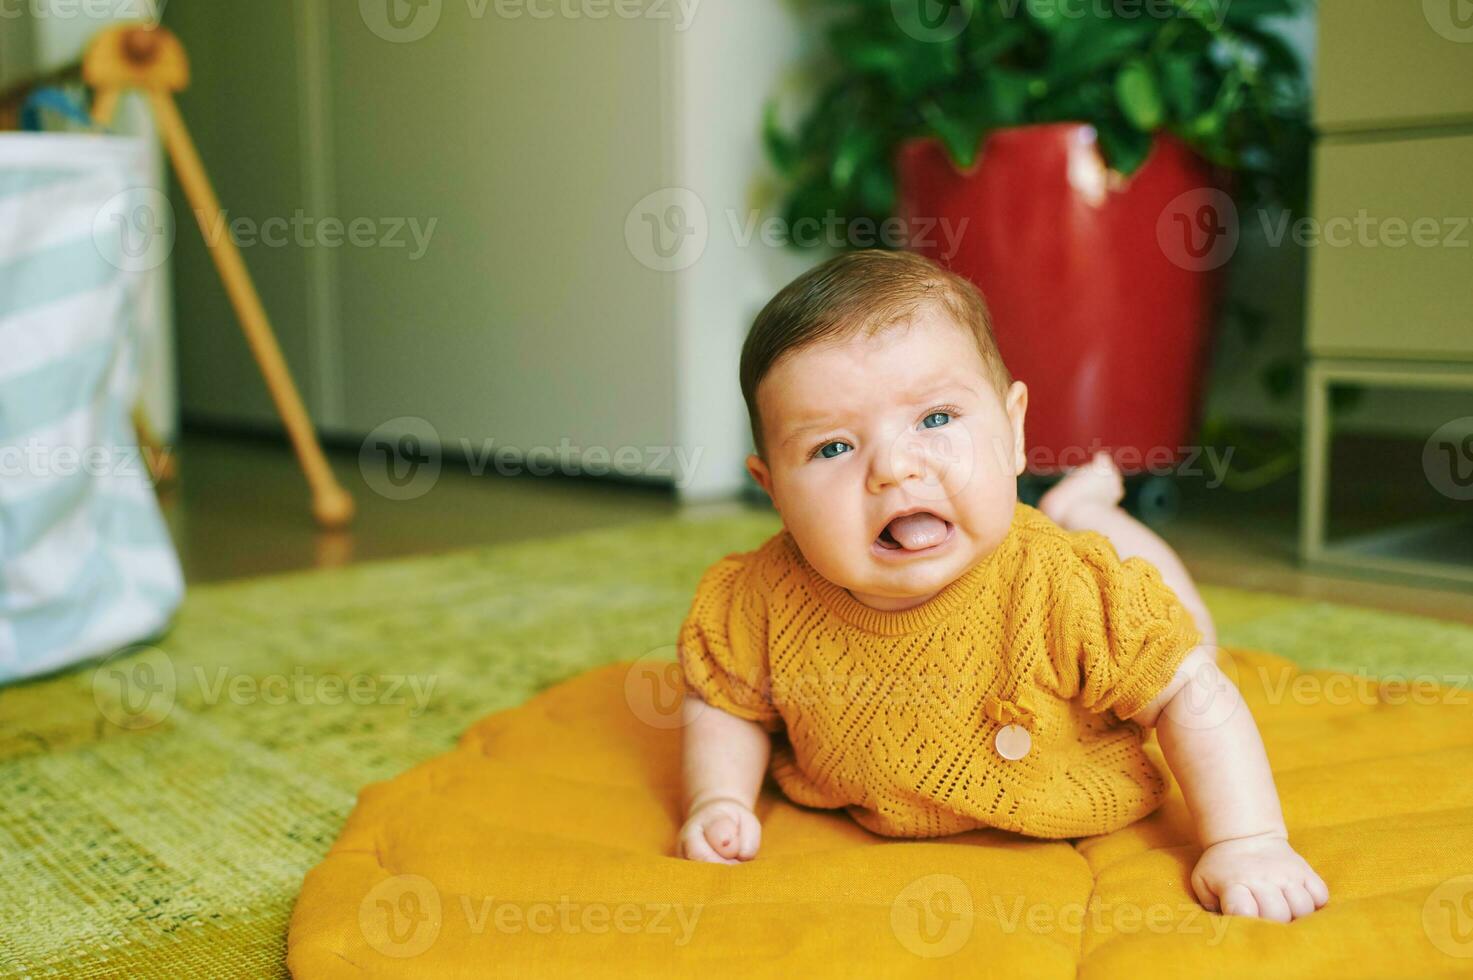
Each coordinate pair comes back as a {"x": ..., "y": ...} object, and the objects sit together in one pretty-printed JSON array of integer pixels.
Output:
[{"x": 492, "y": 159}]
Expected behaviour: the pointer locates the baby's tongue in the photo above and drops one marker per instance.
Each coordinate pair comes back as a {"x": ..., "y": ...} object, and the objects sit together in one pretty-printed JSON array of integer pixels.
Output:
[{"x": 917, "y": 531}]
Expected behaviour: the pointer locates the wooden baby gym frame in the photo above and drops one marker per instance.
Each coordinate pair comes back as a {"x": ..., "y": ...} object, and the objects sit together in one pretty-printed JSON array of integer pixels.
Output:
[{"x": 151, "y": 59}]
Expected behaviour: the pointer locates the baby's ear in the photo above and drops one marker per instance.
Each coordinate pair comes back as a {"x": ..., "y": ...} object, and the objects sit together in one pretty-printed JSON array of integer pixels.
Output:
[
  {"x": 761, "y": 474},
  {"x": 1017, "y": 407}
]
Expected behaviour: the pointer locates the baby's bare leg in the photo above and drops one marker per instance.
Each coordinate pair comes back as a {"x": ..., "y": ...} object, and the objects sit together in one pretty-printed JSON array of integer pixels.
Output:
[{"x": 1088, "y": 499}]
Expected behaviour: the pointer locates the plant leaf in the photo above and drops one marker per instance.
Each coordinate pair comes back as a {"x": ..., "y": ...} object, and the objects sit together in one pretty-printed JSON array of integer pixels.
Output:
[
  {"x": 1179, "y": 85},
  {"x": 863, "y": 51},
  {"x": 986, "y": 46},
  {"x": 1139, "y": 96},
  {"x": 958, "y": 134},
  {"x": 780, "y": 149},
  {"x": 1239, "y": 12},
  {"x": 1125, "y": 148},
  {"x": 1048, "y": 14},
  {"x": 1086, "y": 46},
  {"x": 1008, "y": 95},
  {"x": 877, "y": 188},
  {"x": 855, "y": 145}
]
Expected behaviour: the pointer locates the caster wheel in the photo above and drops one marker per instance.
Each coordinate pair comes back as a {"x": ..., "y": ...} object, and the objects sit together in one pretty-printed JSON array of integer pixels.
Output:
[
  {"x": 1031, "y": 487},
  {"x": 1154, "y": 500}
]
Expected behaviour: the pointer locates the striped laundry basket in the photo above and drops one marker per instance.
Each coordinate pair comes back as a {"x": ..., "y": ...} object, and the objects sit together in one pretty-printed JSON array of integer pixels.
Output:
[{"x": 86, "y": 564}]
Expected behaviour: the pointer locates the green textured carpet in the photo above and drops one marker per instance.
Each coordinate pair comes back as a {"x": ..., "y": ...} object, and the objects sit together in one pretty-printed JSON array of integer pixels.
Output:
[{"x": 157, "y": 814}]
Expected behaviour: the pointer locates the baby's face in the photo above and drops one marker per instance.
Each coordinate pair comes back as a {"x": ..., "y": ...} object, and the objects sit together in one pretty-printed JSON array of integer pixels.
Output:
[{"x": 863, "y": 430}]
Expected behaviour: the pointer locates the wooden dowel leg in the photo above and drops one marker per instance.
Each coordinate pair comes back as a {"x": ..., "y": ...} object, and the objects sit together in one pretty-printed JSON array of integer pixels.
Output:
[
  {"x": 157, "y": 458},
  {"x": 331, "y": 504},
  {"x": 105, "y": 106}
]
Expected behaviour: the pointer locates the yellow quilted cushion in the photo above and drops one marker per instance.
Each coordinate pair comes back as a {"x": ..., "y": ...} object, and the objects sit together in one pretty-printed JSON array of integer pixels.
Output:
[{"x": 541, "y": 846}]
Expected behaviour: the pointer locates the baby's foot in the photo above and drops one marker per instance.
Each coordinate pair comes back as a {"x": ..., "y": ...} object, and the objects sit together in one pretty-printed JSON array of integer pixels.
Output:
[{"x": 1097, "y": 483}]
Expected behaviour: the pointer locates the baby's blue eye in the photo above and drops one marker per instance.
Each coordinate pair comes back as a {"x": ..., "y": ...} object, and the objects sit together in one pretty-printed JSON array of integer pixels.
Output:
[
  {"x": 839, "y": 449},
  {"x": 930, "y": 420}
]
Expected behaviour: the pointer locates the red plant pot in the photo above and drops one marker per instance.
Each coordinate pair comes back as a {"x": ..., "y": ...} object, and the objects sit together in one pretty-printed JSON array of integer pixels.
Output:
[{"x": 1101, "y": 288}]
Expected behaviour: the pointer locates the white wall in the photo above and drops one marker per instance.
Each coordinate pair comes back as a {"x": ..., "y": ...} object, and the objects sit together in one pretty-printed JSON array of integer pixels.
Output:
[
  {"x": 728, "y": 65},
  {"x": 525, "y": 322}
]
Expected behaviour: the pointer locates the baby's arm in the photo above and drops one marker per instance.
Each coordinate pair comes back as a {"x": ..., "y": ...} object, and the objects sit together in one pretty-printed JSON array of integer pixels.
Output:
[
  {"x": 1213, "y": 747},
  {"x": 725, "y": 760}
]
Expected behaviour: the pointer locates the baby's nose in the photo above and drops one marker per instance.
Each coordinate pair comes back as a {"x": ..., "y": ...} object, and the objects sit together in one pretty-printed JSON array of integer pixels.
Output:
[{"x": 904, "y": 460}]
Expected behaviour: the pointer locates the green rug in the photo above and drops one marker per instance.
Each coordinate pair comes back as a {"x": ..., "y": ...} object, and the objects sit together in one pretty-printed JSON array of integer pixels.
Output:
[{"x": 157, "y": 814}]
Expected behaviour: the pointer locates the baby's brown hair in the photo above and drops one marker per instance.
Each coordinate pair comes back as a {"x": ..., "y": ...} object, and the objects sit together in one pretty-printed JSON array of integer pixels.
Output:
[{"x": 860, "y": 291}]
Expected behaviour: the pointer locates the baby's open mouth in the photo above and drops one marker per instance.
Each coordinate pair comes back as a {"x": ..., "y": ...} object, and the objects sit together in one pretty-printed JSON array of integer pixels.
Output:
[{"x": 914, "y": 532}]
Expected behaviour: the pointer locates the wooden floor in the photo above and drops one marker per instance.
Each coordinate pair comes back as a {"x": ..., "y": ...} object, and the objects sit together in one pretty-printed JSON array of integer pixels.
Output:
[{"x": 240, "y": 508}]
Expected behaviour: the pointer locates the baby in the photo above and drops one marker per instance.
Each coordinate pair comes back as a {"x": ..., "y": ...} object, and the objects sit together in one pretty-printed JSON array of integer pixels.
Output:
[{"x": 933, "y": 654}]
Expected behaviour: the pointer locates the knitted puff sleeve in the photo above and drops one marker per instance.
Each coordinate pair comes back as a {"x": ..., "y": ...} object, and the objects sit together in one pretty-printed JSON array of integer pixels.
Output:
[
  {"x": 1124, "y": 627},
  {"x": 723, "y": 644}
]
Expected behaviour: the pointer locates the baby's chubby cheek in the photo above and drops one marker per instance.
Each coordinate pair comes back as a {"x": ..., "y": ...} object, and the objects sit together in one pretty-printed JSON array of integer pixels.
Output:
[{"x": 828, "y": 532}]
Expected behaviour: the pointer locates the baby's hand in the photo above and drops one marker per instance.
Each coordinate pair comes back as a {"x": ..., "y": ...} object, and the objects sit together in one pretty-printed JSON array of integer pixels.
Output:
[
  {"x": 1258, "y": 876},
  {"x": 721, "y": 831}
]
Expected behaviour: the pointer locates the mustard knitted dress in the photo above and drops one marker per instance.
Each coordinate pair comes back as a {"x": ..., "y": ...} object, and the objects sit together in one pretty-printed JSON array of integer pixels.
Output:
[{"x": 1003, "y": 701}]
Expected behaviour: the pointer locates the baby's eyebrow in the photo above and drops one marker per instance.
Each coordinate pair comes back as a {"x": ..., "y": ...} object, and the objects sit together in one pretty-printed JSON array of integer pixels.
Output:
[
  {"x": 823, "y": 423},
  {"x": 922, "y": 393}
]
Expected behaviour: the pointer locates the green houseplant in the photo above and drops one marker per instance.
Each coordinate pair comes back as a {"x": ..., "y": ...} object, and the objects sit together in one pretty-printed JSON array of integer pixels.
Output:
[{"x": 1210, "y": 72}]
